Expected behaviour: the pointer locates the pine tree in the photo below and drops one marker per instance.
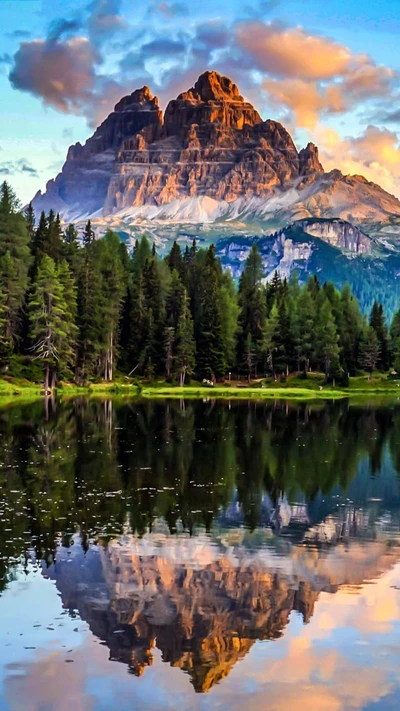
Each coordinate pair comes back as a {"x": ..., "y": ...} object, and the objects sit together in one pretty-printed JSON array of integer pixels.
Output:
[
  {"x": 141, "y": 255},
  {"x": 378, "y": 322},
  {"x": 151, "y": 346},
  {"x": 174, "y": 259},
  {"x": 12, "y": 298},
  {"x": 278, "y": 344},
  {"x": 275, "y": 285},
  {"x": 55, "y": 246},
  {"x": 40, "y": 239},
  {"x": 350, "y": 331},
  {"x": 327, "y": 339},
  {"x": 211, "y": 358},
  {"x": 30, "y": 219},
  {"x": 71, "y": 235},
  {"x": 169, "y": 350},
  {"x": 113, "y": 292},
  {"x": 396, "y": 360},
  {"x": 313, "y": 286},
  {"x": 89, "y": 234},
  {"x": 230, "y": 310},
  {"x": 249, "y": 354},
  {"x": 48, "y": 238},
  {"x": 155, "y": 303},
  {"x": 395, "y": 341},
  {"x": 90, "y": 315},
  {"x": 68, "y": 347},
  {"x": 305, "y": 329},
  {"x": 185, "y": 343},
  {"x": 268, "y": 339},
  {"x": 174, "y": 299},
  {"x": 6, "y": 345},
  {"x": 15, "y": 261},
  {"x": 48, "y": 318},
  {"x": 186, "y": 263},
  {"x": 138, "y": 322},
  {"x": 369, "y": 352},
  {"x": 72, "y": 249},
  {"x": 252, "y": 306}
]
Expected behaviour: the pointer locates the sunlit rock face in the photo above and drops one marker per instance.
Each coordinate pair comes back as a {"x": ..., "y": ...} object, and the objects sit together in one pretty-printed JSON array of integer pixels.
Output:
[
  {"x": 213, "y": 143},
  {"x": 309, "y": 163},
  {"x": 203, "y": 602},
  {"x": 211, "y": 157}
]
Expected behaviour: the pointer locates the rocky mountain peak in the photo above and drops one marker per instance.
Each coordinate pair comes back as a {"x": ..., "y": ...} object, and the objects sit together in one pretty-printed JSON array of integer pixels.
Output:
[
  {"x": 210, "y": 156},
  {"x": 140, "y": 100},
  {"x": 309, "y": 160},
  {"x": 214, "y": 99},
  {"x": 211, "y": 86}
]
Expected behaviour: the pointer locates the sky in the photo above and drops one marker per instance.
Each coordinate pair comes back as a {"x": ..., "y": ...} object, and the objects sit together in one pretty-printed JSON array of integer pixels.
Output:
[{"x": 329, "y": 71}]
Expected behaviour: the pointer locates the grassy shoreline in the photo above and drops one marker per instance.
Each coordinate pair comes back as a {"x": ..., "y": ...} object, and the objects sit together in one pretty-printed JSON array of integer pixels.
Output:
[{"x": 14, "y": 389}]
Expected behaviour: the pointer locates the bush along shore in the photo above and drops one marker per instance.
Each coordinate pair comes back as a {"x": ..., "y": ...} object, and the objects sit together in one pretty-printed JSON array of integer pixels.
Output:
[{"x": 84, "y": 313}]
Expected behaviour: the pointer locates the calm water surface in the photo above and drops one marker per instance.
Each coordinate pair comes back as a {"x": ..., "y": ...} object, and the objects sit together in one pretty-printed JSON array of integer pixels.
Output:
[{"x": 199, "y": 555}]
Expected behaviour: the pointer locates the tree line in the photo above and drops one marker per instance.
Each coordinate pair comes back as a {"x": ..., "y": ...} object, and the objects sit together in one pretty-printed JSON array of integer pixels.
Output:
[{"x": 77, "y": 307}]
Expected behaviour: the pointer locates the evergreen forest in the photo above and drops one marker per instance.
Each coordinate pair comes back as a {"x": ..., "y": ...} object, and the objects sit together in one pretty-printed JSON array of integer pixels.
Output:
[{"x": 77, "y": 308}]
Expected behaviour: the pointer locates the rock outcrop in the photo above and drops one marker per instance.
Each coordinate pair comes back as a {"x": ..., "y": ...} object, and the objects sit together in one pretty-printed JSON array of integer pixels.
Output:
[
  {"x": 293, "y": 247},
  {"x": 81, "y": 187},
  {"x": 309, "y": 163},
  {"x": 338, "y": 233}
]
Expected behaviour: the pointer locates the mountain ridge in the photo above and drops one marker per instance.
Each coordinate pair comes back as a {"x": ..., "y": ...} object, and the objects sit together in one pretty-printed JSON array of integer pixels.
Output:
[{"x": 210, "y": 157}]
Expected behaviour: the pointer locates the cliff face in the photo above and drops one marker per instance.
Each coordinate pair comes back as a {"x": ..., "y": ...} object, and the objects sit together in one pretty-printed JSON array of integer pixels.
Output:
[
  {"x": 338, "y": 233},
  {"x": 213, "y": 144},
  {"x": 81, "y": 187},
  {"x": 210, "y": 143}
]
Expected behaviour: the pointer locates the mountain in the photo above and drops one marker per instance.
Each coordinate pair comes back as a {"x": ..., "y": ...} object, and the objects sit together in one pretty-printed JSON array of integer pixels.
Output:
[
  {"x": 333, "y": 249},
  {"x": 204, "y": 602},
  {"x": 213, "y": 144},
  {"x": 211, "y": 168},
  {"x": 209, "y": 159}
]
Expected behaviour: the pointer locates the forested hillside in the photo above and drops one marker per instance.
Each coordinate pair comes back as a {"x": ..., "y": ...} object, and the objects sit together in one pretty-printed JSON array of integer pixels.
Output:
[{"x": 78, "y": 308}]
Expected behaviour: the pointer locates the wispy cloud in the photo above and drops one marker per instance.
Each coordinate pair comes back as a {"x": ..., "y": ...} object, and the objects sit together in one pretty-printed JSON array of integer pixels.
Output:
[{"x": 20, "y": 166}]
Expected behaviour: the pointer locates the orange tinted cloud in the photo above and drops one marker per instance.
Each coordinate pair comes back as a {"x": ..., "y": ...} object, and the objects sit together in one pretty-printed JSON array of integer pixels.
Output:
[
  {"x": 376, "y": 145},
  {"x": 367, "y": 79},
  {"x": 309, "y": 74},
  {"x": 374, "y": 154},
  {"x": 306, "y": 100},
  {"x": 292, "y": 52}
]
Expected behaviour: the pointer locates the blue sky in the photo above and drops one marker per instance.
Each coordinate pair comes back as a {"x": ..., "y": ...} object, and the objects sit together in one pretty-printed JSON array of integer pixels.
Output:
[{"x": 329, "y": 71}]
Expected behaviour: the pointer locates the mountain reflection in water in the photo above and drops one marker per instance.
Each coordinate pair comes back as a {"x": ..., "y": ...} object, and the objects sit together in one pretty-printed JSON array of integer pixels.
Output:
[{"x": 196, "y": 530}]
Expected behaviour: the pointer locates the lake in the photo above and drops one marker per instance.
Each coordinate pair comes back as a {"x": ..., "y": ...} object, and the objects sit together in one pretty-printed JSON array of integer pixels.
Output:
[{"x": 199, "y": 555}]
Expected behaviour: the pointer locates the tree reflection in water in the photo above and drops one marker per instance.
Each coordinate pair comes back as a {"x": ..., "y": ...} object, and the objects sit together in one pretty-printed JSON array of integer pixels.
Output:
[{"x": 198, "y": 528}]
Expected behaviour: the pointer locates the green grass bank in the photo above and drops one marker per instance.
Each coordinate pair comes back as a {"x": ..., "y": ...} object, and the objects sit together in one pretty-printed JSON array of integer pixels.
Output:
[{"x": 294, "y": 387}]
